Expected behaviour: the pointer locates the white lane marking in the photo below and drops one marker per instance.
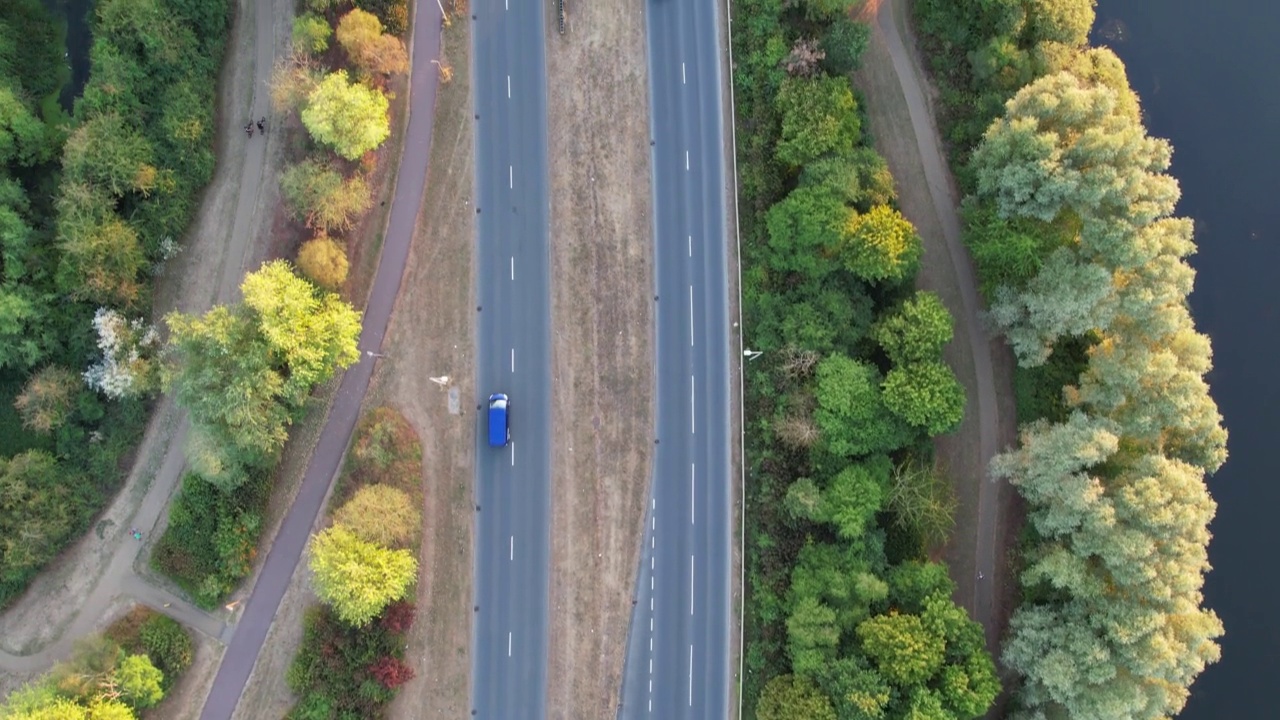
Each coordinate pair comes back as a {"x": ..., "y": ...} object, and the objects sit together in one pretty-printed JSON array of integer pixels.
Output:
[
  {"x": 650, "y": 624},
  {"x": 652, "y": 541},
  {"x": 653, "y": 524},
  {"x": 690, "y": 316},
  {"x": 653, "y": 503},
  {"x": 683, "y": 79},
  {"x": 650, "y": 610},
  {"x": 690, "y": 246},
  {"x": 650, "y": 583},
  {"x": 693, "y": 494},
  {"x": 508, "y": 87},
  {"x": 686, "y": 159},
  {"x": 693, "y": 417},
  {"x": 513, "y": 267},
  {"x": 691, "y": 676},
  {"x": 651, "y": 646},
  {"x": 513, "y": 454},
  {"x": 513, "y": 547},
  {"x": 651, "y": 560},
  {"x": 511, "y": 176},
  {"x": 690, "y": 584},
  {"x": 650, "y": 664},
  {"x": 508, "y": 644},
  {"x": 651, "y": 699},
  {"x": 513, "y": 359}
]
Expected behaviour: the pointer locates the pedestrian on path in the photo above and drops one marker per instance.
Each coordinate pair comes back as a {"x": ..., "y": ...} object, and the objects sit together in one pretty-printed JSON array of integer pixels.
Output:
[
  {"x": 262, "y": 125},
  {"x": 979, "y": 574},
  {"x": 137, "y": 534}
]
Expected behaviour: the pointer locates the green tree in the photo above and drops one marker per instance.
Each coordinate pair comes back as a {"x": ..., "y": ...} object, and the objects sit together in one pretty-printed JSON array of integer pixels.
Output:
[
  {"x": 844, "y": 42},
  {"x": 915, "y": 331},
  {"x": 356, "y": 578},
  {"x": 107, "y": 153},
  {"x": 311, "y": 33},
  {"x": 23, "y": 137},
  {"x": 926, "y": 395},
  {"x": 903, "y": 649},
  {"x": 788, "y": 697},
  {"x": 922, "y": 501},
  {"x": 851, "y": 412},
  {"x": 324, "y": 262},
  {"x": 812, "y": 635},
  {"x": 349, "y": 117},
  {"x": 804, "y": 231},
  {"x": 827, "y": 10},
  {"x": 1068, "y": 142},
  {"x": 880, "y": 245},
  {"x": 36, "y": 512},
  {"x": 101, "y": 264},
  {"x": 312, "y": 333},
  {"x": 1063, "y": 21},
  {"x": 321, "y": 197},
  {"x": 850, "y": 501},
  {"x": 819, "y": 117},
  {"x": 382, "y": 515},
  {"x": 139, "y": 681}
]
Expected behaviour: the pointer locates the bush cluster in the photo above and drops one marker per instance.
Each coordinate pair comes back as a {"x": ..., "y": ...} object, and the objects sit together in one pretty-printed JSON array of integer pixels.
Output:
[{"x": 845, "y": 617}]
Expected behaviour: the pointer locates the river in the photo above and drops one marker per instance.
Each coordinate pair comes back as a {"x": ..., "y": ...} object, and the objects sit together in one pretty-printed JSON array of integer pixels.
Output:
[{"x": 1207, "y": 76}]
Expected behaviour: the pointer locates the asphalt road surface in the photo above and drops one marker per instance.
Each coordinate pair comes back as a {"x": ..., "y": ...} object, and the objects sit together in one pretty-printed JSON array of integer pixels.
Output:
[
  {"x": 677, "y": 663},
  {"x": 513, "y": 484},
  {"x": 286, "y": 550}
]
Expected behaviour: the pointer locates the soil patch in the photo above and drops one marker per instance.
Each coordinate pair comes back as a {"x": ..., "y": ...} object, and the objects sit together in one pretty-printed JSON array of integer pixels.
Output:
[{"x": 602, "y": 348}]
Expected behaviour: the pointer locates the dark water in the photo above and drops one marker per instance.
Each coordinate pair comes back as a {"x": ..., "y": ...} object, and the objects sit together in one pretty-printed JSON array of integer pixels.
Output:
[
  {"x": 1208, "y": 75},
  {"x": 76, "y": 14}
]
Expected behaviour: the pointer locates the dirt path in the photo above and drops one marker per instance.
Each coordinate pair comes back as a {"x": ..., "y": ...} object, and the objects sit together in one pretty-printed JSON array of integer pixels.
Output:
[
  {"x": 73, "y": 597},
  {"x": 893, "y": 77}
]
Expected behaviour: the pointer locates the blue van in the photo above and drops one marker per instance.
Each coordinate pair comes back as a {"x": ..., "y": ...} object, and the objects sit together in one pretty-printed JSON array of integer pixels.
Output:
[{"x": 499, "y": 423}]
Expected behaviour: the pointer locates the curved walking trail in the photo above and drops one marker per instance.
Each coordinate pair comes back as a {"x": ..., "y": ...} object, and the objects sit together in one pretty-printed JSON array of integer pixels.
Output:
[{"x": 888, "y": 27}]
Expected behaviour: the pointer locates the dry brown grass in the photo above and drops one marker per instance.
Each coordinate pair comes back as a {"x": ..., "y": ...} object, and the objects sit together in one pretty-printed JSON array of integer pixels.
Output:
[
  {"x": 432, "y": 334},
  {"x": 602, "y": 352}
]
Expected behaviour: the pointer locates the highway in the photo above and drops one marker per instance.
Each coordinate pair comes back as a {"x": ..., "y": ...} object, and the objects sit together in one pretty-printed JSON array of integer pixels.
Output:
[
  {"x": 513, "y": 484},
  {"x": 677, "y": 663}
]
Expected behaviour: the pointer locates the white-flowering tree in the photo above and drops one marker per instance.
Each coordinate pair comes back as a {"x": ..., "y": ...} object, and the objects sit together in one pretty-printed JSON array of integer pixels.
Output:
[{"x": 128, "y": 366}]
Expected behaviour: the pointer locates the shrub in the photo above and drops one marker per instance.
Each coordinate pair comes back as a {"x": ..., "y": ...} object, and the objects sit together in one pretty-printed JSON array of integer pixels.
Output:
[
  {"x": 324, "y": 262},
  {"x": 168, "y": 644},
  {"x": 311, "y": 34},
  {"x": 382, "y": 515}
]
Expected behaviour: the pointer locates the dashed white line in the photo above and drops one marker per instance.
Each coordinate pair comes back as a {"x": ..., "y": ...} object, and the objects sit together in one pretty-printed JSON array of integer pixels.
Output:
[
  {"x": 511, "y": 176},
  {"x": 513, "y": 454},
  {"x": 513, "y": 359},
  {"x": 513, "y": 548},
  {"x": 650, "y": 583},
  {"x": 690, "y": 316},
  {"x": 508, "y": 644},
  {"x": 651, "y": 561},
  {"x": 683, "y": 79},
  {"x": 686, "y": 159},
  {"x": 650, "y": 664},
  {"x": 690, "y": 584},
  {"x": 508, "y": 87},
  {"x": 690, "y": 246},
  {"x": 513, "y": 267},
  {"x": 690, "y": 676},
  {"x": 693, "y": 414},
  {"x": 693, "y": 494}
]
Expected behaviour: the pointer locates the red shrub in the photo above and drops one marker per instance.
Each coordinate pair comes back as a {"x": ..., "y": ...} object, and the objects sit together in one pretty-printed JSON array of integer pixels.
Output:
[
  {"x": 398, "y": 617},
  {"x": 390, "y": 672}
]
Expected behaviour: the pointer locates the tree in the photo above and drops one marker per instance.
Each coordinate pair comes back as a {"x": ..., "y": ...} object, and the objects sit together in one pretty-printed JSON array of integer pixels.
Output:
[
  {"x": 324, "y": 262},
  {"x": 856, "y": 494},
  {"x": 1063, "y": 21},
  {"x": 812, "y": 635},
  {"x": 102, "y": 265},
  {"x": 128, "y": 366},
  {"x": 880, "y": 245},
  {"x": 45, "y": 401},
  {"x": 23, "y": 137},
  {"x": 20, "y": 315},
  {"x": 922, "y": 501},
  {"x": 926, "y": 395},
  {"x": 915, "y": 331},
  {"x": 804, "y": 59},
  {"x": 320, "y": 196},
  {"x": 788, "y": 697},
  {"x": 106, "y": 153},
  {"x": 851, "y": 412},
  {"x": 312, "y": 333},
  {"x": 36, "y": 512},
  {"x": 139, "y": 681},
  {"x": 382, "y": 515},
  {"x": 311, "y": 33},
  {"x": 1069, "y": 142},
  {"x": 826, "y": 10},
  {"x": 360, "y": 34},
  {"x": 819, "y": 117},
  {"x": 843, "y": 45},
  {"x": 903, "y": 649},
  {"x": 349, "y": 117},
  {"x": 293, "y": 79},
  {"x": 804, "y": 229},
  {"x": 356, "y": 578}
]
